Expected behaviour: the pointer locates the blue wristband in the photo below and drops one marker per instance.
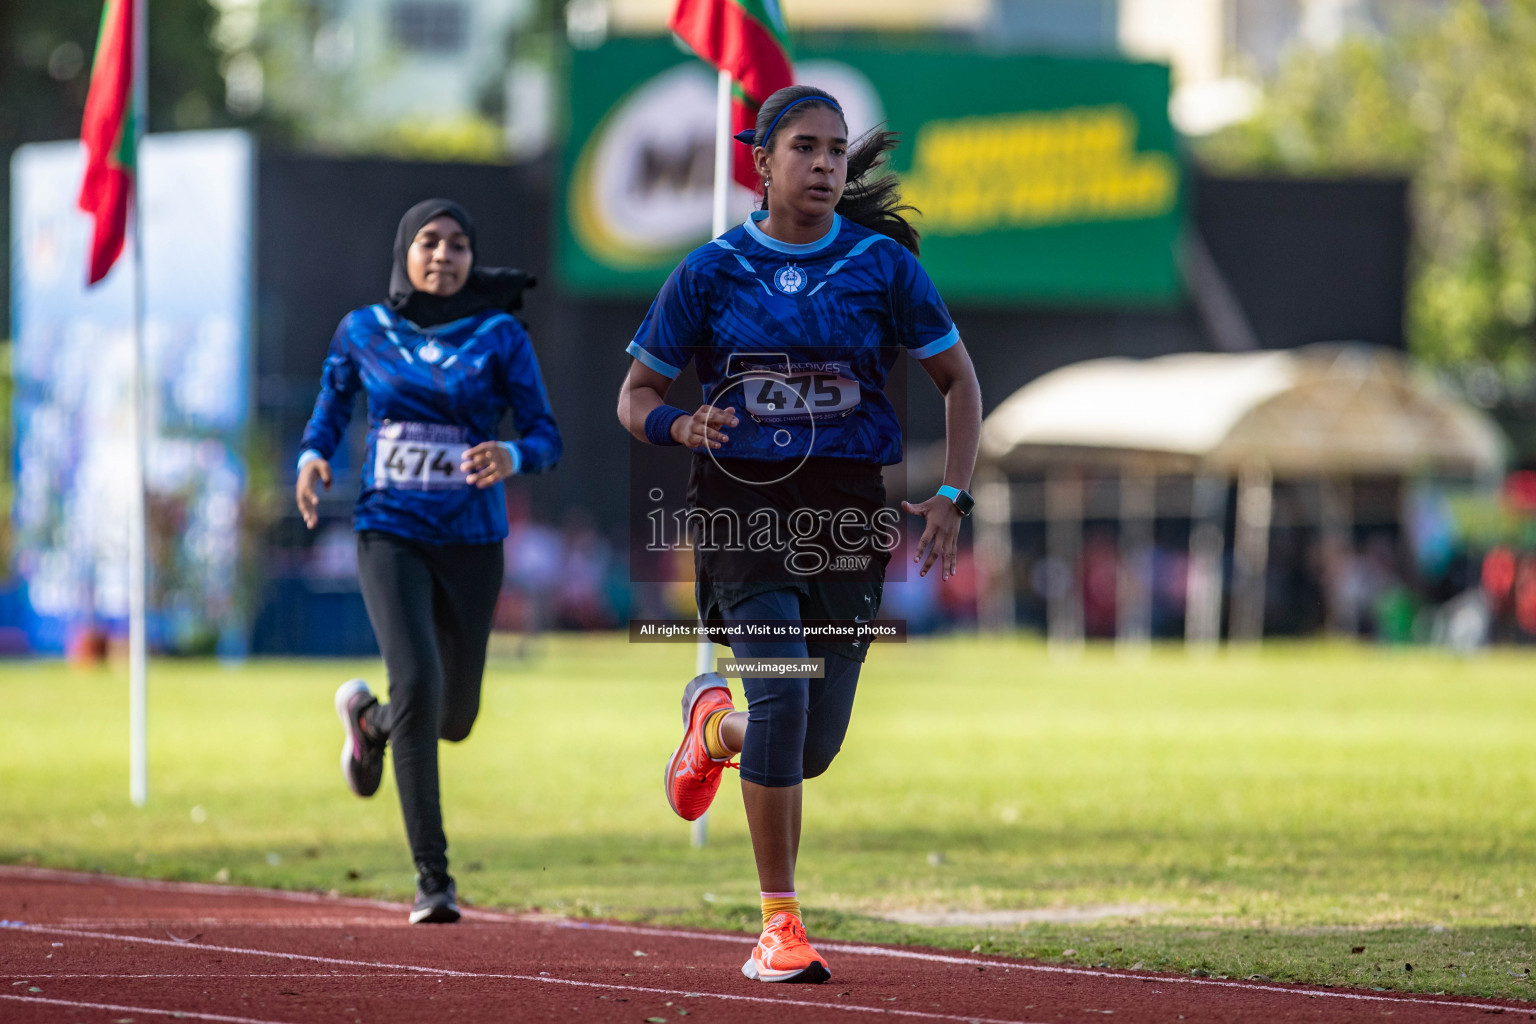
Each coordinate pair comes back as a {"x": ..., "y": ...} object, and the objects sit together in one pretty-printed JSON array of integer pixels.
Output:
[
  {"x": 950, "y": 492},
  {"x": 658, "y": 424},
  {"x": 517, "y": 456}
]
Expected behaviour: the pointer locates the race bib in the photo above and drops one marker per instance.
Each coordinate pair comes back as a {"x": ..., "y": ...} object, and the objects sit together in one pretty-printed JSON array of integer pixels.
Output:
[
  {"x": 419, "y": 456},
  {"x": 800, "y": 394}
]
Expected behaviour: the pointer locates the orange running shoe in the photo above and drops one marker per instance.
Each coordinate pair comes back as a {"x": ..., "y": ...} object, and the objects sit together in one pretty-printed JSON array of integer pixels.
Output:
[
  {"x": 692, "y": 776},
  {"x": 785, "y": 954}
]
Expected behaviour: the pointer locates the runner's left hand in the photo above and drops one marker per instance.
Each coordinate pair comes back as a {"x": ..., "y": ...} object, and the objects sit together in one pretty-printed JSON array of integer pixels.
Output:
[
  {"x": 486, "y": 463},
  {"x": 941, "y": 533}
]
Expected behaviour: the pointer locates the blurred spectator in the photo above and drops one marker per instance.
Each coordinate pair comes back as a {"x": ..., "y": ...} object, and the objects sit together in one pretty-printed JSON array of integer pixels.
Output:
[
  {"x": 333, "y": 558},
  {"x": 533, "y": 565},
  {"x": 1101, "y": 568},
  {"x": 1387, "y": 603},
  {"x": 1498, "y": 585},
  {"x": 1170, "y": 589},
  {"x": 681, "y": 600},
  {"x": 1525, "y": 594},
  {"x": 910, "y": 596},
  {"x": 1050, "y": 578},
  {"x": 580, "y": 588},
  {"x": 957, "y": 596}
]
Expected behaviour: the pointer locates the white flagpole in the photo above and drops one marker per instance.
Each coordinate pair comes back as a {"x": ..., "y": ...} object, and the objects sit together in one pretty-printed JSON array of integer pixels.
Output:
[
  {"x": 700, "y": 832},
  {"x": 138, "y": 661},
  {"x": 722, "y": 151}
]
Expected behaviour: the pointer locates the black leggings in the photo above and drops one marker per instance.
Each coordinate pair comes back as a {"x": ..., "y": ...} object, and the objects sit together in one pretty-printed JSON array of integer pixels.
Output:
[
  {"x": 795, "y": 726},
  {"x": 431, "y": 606}
]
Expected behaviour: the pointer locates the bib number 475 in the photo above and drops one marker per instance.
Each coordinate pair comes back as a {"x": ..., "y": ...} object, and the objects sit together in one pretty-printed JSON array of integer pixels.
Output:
[{"x": 801, "y": 393}]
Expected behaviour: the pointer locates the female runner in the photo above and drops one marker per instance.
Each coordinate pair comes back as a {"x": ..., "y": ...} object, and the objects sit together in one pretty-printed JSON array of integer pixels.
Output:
[
  {"x": 440, "y": 362},
  {"x": 793, "y": 320}
]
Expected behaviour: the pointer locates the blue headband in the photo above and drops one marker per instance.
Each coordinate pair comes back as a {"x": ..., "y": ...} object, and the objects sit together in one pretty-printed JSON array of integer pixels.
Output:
[{"x": 749, "y": 136}]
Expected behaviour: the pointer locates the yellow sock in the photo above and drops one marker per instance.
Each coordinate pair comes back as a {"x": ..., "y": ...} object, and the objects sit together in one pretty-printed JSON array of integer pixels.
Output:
[
  {"x": 779, "y": 903},
  {"x": 714, "y": 743}
]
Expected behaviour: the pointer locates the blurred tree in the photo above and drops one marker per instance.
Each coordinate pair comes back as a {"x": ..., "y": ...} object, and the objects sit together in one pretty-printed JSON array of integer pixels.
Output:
[
  {"x": 316, "y": 68},
  {"x": 1328, "y": 112},
  {"x": 293, "y": 61},
  {"x": 470, "y": 138},
  {"x": 48, "y": 46},
  {"x": 1446, "y": 99},
  {"x": 45, "y": 69}
]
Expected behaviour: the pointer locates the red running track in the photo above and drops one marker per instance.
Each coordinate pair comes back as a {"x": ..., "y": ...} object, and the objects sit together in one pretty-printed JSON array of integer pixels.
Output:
[{"x": 89, "y": 949}]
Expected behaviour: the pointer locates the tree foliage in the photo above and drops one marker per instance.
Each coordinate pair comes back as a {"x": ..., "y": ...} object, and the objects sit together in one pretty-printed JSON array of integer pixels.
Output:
[
  {"x": 1449, "y": 100},
  {"x": 45, "y": 69},
  {"x": 321, "y": 78},
  {"x": 48, "y": 44}
]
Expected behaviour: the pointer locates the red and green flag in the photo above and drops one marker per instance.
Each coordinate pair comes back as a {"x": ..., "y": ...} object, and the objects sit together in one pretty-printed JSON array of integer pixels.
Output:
[
  {"x": 748, "y": 40},
  {"x": 108, "y": 134}
]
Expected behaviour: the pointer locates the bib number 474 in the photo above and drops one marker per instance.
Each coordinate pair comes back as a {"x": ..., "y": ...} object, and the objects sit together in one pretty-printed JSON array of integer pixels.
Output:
[{"x": 418, "y": 462}]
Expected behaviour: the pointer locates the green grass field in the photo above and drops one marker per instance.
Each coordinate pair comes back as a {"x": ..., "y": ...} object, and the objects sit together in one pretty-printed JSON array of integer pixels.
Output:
[{"x": 1249, "y": 814}]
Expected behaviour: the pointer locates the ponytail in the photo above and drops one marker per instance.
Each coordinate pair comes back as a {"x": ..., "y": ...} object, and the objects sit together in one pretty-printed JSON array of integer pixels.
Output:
[
  {"x": 874, "y": 200},
  {"x": 871, "y": 200}
]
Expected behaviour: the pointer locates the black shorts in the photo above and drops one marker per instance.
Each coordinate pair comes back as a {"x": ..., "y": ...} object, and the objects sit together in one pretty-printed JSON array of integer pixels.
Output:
[{"x": 823, "y": 530}]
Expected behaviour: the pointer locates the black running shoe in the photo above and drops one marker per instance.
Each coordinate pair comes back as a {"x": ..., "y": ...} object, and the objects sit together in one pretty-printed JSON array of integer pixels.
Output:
[
  {"x": 362, "y": 758},
  {"x": 436, "y": 900}
]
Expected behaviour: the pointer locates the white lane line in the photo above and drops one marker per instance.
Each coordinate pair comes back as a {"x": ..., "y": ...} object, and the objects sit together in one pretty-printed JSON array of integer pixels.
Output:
[
  {"x": 186, "y": 1014},
  {"x": 182, "y": 923},
  {"x": 763, "y": 999},
  {"x": 80, "y": 877},
  {"x": 966, "y": 961},
  {"x": 240, "y": 891},
  {"x": 114, "y": 937},
  {"x": 486, "y": 976},
  {"x": 225, "y": 975},
  {"x": 197, "y": 888}
]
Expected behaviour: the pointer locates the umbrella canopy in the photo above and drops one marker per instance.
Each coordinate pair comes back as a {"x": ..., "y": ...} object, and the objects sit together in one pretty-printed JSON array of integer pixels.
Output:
[{"x": 1324, "y": 409}]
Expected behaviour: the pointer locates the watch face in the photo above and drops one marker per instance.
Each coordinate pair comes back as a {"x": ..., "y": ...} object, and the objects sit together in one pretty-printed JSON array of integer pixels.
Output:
[{"x": 964, "y": 503}]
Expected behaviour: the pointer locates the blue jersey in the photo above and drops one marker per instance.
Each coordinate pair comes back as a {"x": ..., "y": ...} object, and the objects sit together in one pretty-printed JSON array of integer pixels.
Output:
[
  {"x": 798, "y": 338},
  {"x": 432, "y": 393}
]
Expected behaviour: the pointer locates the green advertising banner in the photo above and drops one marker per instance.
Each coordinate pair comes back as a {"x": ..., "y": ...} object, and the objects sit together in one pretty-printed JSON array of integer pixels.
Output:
[{"x": 1038, "y": 179}]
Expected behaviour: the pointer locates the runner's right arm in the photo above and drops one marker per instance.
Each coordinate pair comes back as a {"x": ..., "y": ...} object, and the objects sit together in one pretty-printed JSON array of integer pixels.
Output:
[
  {"x": 339, "y": 381},
  {"x": 644, "y": 389},
  {"x": 673, "y": 327}
]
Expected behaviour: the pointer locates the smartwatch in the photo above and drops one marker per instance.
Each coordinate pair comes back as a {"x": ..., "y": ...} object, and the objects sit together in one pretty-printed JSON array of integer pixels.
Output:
[{"x": 962, "y": 499}]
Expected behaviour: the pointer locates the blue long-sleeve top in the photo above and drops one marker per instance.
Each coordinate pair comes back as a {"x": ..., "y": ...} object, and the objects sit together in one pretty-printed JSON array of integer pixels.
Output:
[{"x": 432, "y": 393}]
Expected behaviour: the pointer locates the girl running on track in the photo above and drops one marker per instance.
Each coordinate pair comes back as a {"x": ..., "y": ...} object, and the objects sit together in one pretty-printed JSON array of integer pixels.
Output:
[
  {"x": 793, "y": 321},
  {"x": 440, "y": 362}
]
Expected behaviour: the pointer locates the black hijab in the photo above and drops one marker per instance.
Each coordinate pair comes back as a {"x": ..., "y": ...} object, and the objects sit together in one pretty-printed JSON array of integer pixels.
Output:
[{"x": 486, "y": 287}]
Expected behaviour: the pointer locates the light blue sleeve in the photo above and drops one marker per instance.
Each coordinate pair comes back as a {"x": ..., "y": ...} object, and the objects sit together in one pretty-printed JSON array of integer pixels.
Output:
[
  {"x": 673, "y": 328},
  {"x": 923, "y": 324},
  {"x": 538, "y": 446}
]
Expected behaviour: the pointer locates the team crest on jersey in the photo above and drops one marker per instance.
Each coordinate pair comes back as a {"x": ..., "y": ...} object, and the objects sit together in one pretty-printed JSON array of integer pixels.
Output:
[
  {"x": 431, "y": 352},
  {"x": 790, "y": 279}
]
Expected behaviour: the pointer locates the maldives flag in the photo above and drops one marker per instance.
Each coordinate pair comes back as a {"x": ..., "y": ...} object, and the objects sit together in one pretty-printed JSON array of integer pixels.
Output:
[
  {"x": 748, "y": 40},
  {"x": 107, "y": 131}
]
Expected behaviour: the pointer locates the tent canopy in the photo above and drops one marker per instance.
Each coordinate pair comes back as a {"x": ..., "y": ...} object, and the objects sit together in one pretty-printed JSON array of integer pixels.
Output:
[{"x": 1324, "y": 409}]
